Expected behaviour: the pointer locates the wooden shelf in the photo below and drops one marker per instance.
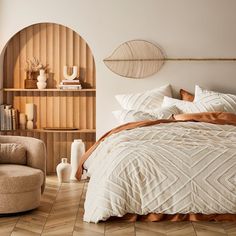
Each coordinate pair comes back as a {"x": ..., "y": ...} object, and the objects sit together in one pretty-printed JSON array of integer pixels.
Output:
[
  {"x": 52, "y": 131},
  {"x": 48, "y": 90},
  {"x": 54, "y": 107}
]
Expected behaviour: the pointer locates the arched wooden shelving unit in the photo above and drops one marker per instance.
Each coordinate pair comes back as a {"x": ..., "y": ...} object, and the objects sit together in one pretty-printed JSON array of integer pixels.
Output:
[{"x": 55, "y": 45}]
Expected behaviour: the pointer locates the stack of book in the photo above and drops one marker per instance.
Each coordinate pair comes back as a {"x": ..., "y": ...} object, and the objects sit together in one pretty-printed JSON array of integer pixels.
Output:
[
  {"x": 8, "y": 117},
  {"x": 70, "y": 84}
]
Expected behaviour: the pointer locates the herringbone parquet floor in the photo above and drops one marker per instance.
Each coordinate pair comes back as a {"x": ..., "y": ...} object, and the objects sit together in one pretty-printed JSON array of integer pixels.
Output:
[{"x": 61, "y": 213}]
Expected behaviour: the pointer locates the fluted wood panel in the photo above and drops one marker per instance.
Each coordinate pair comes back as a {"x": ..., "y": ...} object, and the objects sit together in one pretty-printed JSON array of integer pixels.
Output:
[
  {"x": 52, "y": 44},
  {"x": 56, "y": 46}
]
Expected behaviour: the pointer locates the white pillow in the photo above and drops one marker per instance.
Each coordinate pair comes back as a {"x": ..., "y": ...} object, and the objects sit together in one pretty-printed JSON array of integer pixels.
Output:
[
  {"x": 211, "y": 97},
  {"x": 191, "y": 107},
  {"x": 148, "y": 100},
  {"x": 125, "y": 116}
]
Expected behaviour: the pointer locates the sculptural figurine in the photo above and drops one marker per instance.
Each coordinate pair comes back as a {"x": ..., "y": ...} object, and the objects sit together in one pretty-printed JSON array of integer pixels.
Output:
[{"x": 73, "y": 75}]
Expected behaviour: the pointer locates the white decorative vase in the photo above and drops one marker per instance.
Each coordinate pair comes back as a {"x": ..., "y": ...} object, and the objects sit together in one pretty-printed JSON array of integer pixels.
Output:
[
  {"x": 63, "y": 171},
  {"x": 41, "y": 84},
  {"x": 29, "y": 111},
  {"x": 22, "y": 120},
  {"x": 77, "y": 150},
  {"x": 30, "y": 124}
]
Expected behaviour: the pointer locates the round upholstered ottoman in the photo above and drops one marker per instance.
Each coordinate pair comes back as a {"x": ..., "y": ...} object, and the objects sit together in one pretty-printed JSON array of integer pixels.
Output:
[{"x": 20, "y": 188}]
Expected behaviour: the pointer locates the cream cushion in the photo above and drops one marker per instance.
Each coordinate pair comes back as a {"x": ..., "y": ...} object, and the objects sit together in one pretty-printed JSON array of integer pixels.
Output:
[
  {"x": 211, "y": 97},
  {"x": 124, "y": 116},
  {"x": 19, "y": 178},
  {"x": 191, "y": 107},
  {"x": 12, "y": 153},
  {"x": 144, "y": 101}
]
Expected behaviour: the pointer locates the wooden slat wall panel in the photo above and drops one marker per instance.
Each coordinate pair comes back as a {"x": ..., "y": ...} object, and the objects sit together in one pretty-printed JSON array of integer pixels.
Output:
[
  {"x": 56, "y": 46},
  {"x": 10, "y": 58}
]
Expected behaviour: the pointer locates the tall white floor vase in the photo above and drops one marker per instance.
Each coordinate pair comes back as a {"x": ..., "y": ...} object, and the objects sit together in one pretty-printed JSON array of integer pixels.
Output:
[{"x": 77, "y": 150}]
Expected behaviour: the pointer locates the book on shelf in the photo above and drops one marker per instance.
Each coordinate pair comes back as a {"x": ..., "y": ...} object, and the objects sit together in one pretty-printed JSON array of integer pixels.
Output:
[
  {"x": 62, "y": 86},
  {"x": 8, "y": 117},
  {"x": 70, "y": 84}
]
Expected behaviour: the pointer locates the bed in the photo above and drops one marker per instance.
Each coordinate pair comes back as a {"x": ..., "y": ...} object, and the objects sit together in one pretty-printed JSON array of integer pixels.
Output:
[{"x": 177, "y": 168}]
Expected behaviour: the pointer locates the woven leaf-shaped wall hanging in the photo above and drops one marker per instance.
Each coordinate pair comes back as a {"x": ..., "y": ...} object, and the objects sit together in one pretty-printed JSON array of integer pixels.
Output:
[{"x": 135, "y": 59}]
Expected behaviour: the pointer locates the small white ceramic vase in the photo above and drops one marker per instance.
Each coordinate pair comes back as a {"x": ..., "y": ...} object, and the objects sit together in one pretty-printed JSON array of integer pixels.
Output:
[
  {"x": 41, "y": 84},
  {"x": 29, "y": 110},
  {"x": 77, "y": 150},
  {"x": 63, "y": 171},
  {"x": 30, "y": 124}
]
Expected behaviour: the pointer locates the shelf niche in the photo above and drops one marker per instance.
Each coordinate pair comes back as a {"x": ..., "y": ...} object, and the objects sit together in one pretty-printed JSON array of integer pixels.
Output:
[{"x": 56, "y": 46}]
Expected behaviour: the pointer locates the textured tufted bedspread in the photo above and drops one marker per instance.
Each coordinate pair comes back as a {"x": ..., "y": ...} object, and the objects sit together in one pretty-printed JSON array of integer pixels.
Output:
[{"x": 165, "y": 168}]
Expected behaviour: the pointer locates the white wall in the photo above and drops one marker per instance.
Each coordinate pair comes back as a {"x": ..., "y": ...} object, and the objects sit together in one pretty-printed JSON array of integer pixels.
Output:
[{"x": 183, "y": 28}]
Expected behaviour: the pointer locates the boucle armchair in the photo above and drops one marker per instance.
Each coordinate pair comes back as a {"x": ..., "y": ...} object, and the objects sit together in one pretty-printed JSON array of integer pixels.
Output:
[{"x": 21, "y": 185}]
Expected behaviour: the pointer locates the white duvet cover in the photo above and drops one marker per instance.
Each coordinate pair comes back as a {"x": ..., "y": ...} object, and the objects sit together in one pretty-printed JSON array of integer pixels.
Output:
[{"x": 167, "y": 168}]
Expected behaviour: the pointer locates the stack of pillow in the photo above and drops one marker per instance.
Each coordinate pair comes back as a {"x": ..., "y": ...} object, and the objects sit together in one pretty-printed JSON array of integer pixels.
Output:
[
  {"x": 159, "y": 104},
  {"x": 203, "y": 99}
]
